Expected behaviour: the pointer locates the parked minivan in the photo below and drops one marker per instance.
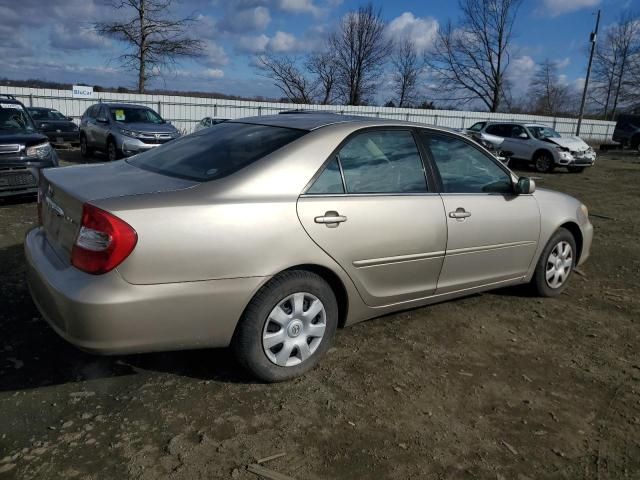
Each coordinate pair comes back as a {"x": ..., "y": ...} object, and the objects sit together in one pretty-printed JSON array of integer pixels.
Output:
[
  {"x": 627, "y": 131},
  {"x": 122, "y": 129}
]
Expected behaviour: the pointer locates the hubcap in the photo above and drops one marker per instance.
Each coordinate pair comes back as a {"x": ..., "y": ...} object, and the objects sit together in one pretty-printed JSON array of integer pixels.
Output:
[
  {"x": 543, "y": 162},
  {"x": 559, "y": 264},
  {"x": 294, "y": 329}
]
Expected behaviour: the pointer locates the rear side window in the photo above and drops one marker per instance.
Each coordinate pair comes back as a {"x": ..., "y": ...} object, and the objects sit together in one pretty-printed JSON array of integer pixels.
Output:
[
  {"x": 217, "y": 151},
  {"x": 329, "y": 181}
]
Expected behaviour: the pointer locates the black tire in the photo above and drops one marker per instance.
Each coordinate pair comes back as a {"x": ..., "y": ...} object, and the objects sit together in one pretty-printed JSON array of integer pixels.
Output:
[
  {"x": 247, "y": 343},
  {"x": 85, "y": 150},
  {"x": 113, "y": 153},
  {"x": 635, "y": 143},
  {"x": 539, "y": 281},
  {"x": 543, "y": 162},
  {"x": 576, "y": 169}
]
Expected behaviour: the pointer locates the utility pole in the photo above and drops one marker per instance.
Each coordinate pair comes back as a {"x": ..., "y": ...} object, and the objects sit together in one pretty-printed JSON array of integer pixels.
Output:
[{"x": 593, "y": 38}]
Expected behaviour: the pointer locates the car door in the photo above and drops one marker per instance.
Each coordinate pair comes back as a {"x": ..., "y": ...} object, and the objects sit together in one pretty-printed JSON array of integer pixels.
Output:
[
  {"x": 510, "y": 144},
  {"x": 372, "y": 208},
  {"x": 87, "y": 124},
  {"x": 492, "y": 232},
  {"x": 101, "y": 128}
]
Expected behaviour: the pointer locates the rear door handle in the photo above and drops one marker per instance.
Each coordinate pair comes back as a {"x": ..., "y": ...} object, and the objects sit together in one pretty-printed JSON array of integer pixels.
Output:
[
  {"x": 331, "y": 219},
  {"x": 460, "y": 213}
]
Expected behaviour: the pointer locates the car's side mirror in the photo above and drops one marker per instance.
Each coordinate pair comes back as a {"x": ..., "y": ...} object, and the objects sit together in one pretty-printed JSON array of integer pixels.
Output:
[
  {"x": 102, "y": 120},
  {"x": 523, "y": 136},
  {"x": 525, "y": 186}
]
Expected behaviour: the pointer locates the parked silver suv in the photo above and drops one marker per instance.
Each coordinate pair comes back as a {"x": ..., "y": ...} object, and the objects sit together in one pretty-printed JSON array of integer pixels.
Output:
[
  {"x": 123, "y": 130},
  {"x": 540, "y": 145}
]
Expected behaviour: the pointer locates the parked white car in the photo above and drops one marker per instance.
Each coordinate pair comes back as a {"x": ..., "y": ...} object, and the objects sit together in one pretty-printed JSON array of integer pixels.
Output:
[
  {"x": 540, "y": 145},
  {"x": 207, "y": 122}
]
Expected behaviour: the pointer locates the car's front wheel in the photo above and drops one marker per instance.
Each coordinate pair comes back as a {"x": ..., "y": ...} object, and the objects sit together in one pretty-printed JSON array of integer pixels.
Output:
[
  {"x": 287, "y": 326},
  {"x": 112, "y": 150},
  {"x": 543, "y": 162},
  {"x": 556, "y": 264},
  {"x": 85, "y": 151}
]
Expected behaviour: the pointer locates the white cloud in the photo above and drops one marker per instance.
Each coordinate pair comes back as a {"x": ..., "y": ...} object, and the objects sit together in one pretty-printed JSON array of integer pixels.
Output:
[
  {"x": 555, "y": 8},
  {"x": 300, "y": 6},
  {"x": 564, "y": 63},
  {"x": 76, "y": 38},
  {"x": 249, "y": 19},
  {"x": 520, "y": 73},
  {"x": 253, "y": 44},
  {"x": 214, "y": 55},
  {"x": 282, "y": 42},
  {"x": 213, "y": 73},
  {"x": 422, "y": 31}
]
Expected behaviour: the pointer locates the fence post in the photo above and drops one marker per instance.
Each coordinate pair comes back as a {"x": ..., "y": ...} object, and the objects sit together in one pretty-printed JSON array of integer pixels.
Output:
[
  {"x": 31, "y": 99},
  {"x": 159, "y": 108},
  {"x": 555, "y": 121},
  {"x": 215, "y": 110},
  {"x": 435, "y": 120},
  {"x": 260, "y": 111}
]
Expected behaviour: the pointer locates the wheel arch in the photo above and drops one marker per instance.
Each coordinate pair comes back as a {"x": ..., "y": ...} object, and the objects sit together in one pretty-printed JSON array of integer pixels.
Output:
[
  {"x": 574, "y": 229},
  {"x": 334, "y": 281}
]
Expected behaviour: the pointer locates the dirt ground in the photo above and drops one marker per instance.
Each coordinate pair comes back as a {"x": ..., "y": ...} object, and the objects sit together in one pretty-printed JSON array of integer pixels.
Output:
[{"x": 495, "y": 386}]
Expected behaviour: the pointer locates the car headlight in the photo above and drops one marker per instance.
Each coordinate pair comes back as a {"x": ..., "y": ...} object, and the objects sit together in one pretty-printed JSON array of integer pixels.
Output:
[
  {"x": 41, "y": 151},
  {"x": 583, "y": 213},
  {"x": 130, "y": 133}
]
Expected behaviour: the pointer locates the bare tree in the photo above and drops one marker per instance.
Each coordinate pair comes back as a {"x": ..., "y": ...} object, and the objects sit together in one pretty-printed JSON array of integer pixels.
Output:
[
  {"x": 549, "y": 96},
  {"x": 406, "y": 69},
  {"x": 324, "y": 67},
  {"x": 361, "y": 50},
  {"x": 288, "y": 77},
  {"x": 615, "y": 64},
  {"x": 155, "y": 40},
  {"x": 470, "y": 60}
]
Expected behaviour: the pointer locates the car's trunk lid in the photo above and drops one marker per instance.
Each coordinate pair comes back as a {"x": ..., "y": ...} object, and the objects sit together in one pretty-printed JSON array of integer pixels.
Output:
[{"x": 63, "y": 192}]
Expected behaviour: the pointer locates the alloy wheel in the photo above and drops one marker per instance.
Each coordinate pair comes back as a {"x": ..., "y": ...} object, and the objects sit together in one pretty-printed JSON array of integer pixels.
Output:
[
  {"x": 543, "y": 163},
  {"x": 112, "y": 151},
  {"x": 83, "y": 145},
  {"x": 294, "y": 329},
  {"x": 559, "y": 264}
]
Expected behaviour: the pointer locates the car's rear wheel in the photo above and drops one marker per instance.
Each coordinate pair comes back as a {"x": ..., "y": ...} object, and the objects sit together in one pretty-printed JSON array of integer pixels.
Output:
[
  {"x": 543, "y": 162},
  {"x": 287, "y": 326},
  {"x": 576, "y": 169},
  {"x": 85, "y": 151},
  {"x": 556, "y": 263},
  {"x": 112, "y": 150}
]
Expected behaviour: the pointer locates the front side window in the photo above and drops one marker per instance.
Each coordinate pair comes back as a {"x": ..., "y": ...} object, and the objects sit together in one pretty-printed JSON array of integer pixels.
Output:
[
  {"x": 518, "y": 131},
  {"x": 465, "y": 169},
  {"x": 134, "y": 115},
  {"x": 544, "y": 132},
  {"x": 215, "y": 152},
  {"x": 476, "y": 127},
  {"x": 499, "y": 130}
]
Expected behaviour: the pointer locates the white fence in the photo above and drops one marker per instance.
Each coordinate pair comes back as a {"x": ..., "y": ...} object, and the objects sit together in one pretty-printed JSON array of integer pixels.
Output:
[{"x": 185, "y": 112}]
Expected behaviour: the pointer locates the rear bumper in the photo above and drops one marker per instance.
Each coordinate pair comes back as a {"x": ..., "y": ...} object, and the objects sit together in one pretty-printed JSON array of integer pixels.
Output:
[{"x": 105, "y": 314}]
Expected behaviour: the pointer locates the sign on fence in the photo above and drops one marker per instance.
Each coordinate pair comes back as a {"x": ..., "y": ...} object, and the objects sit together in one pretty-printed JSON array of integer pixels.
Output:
[{"x": 82, "y": 91}]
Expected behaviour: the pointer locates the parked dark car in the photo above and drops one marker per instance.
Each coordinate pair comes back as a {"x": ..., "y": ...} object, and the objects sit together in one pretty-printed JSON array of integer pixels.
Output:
[
  {"x": 121, "y": 130},
  {"x": 23, "y": 149},
  {"x": 627, "y": 131},
  {"x": 59, "y": 128}
]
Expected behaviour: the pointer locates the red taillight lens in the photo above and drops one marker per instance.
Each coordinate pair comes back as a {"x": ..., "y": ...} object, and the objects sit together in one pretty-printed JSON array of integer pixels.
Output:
[{"x": 103, "y": 242}]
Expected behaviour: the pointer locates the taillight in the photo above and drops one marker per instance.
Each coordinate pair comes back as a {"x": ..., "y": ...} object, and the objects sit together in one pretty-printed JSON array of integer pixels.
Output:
[{"x": 103, "y": 242}]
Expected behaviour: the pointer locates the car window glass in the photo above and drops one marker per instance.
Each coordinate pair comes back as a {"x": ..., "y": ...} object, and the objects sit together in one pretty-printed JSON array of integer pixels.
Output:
[
  {"x": 476, "y": 127},
  {"x": 517, "y": 130},
  {"x": 134, "y": 115},
  {"x": 14, "y": 118},
  {"x": 498, "y": 130},
  {"x": 215, "y": 152},
  {"x": 382, "y": 162},
  {"x": 465, "y": 169},
  {"x": 329, "y": 181}
]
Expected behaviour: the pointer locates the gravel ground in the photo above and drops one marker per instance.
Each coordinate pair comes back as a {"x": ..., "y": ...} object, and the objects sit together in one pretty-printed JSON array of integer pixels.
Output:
[{"x": 501, "y": 385}]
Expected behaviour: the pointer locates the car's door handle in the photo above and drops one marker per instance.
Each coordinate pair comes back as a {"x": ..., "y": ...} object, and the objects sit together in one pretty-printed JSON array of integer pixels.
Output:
[
  {"x": 331, "y": 219},
  {"x": 460, "y": 213}
]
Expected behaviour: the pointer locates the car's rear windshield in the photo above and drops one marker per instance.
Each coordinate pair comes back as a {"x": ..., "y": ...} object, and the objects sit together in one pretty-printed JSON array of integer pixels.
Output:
[{"x": 217, "y": 151}]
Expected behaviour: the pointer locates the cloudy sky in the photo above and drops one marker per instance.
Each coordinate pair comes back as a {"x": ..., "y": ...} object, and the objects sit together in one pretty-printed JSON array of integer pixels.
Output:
[{"x": 53, "y": 39}]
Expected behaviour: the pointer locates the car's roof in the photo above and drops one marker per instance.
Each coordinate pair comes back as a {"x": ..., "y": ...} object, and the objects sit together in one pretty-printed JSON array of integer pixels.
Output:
[
  {"x": 122, "y": 105},
  {"x": 526, "y": 124},
  {"x": 39, "y": 108},
  {"x": 313, "y": 121}
]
